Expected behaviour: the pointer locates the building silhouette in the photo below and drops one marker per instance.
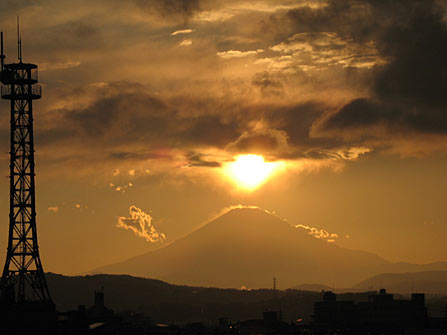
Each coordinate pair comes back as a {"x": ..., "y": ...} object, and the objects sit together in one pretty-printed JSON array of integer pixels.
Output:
[
  {"x": 97, "y": 319},
  {"x": 99, "y": 311},
  {"x": 269, "y": 324},
  {"x": 381, "y": 312}
]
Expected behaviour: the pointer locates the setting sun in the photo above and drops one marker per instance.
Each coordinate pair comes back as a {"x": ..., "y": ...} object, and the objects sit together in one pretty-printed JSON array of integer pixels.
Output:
[{"x": 250, "y": 171}]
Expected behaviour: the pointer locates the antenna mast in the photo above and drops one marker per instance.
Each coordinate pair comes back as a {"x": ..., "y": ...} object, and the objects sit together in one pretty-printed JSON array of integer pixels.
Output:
[
  {"x": 19, "y": 41},
  {"x": 25, "y": 303},
  {"x": 2, "y": 56}
]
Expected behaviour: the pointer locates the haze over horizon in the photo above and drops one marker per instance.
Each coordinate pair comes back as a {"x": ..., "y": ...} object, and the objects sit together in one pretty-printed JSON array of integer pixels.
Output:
[{"x": 158, "y": 115}]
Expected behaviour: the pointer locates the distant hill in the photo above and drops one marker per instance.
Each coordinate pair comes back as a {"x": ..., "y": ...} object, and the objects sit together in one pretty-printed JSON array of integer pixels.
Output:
[
  {"x": 431, "y": 282},
  {"x": 321, "y": 288},
  {"x": 312, "y": 287},
  {"x": 248, "y": 247},
  {"x": 168, "y": 303}
]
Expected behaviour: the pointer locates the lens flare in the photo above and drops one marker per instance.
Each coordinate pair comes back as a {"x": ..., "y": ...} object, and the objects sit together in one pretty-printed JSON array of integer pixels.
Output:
[{"x": 250, "y": 171}]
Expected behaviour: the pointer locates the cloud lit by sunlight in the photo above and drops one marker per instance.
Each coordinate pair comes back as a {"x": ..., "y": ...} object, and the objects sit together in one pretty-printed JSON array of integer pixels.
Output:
[
  {"x": 319, "y": 233},
  {"x": 183, "y": 31},
  {"x": 141, "y": 224},
  {"x": 186, "y": 42},
  {"x": 53, "y": 209},
  {"x": 251, "y": 171}
]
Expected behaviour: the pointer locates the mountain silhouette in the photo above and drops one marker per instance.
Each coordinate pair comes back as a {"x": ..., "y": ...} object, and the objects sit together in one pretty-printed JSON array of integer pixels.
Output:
[
  {"x": 248, "y": 247},
  {"x": 431, "y": 282}
]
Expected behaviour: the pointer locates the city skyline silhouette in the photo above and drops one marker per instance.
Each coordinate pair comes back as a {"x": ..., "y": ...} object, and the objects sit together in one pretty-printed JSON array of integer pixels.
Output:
[{"x": 223, "y": 144}]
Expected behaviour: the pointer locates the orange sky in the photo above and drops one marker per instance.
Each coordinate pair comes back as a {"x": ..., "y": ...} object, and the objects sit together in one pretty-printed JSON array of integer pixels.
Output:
[{"x": 146, "y": 102}]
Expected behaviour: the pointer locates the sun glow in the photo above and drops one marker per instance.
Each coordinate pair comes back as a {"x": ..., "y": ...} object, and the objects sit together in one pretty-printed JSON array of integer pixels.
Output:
[{"x": 250, "y": 171}]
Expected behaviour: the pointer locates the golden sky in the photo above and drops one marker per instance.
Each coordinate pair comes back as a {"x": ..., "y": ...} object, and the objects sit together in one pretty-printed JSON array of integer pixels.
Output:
[{"x": 148, "y": 106}]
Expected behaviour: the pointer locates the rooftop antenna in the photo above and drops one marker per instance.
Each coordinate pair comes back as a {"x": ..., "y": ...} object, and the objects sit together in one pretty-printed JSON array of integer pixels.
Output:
[
  {"x": 19, "y": 41},
  {"x": 2, "y": 56}
]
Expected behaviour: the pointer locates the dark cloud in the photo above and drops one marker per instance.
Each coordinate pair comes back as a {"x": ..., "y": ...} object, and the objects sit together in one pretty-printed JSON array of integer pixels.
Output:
[
  {"x": 409, "y": 91},
  {"x": 123, "y": 115},
  {"x": 417, "y": 46},
  {"x": 206, "y": 130},
  {"x": 338, "y": 16},
  {"x": 394, "y": 116},
  {"x": 82, "y": 30},
  {"x": 13, "y": 7},
  {"x": 347, "y": 18},
  {"x": 268, "y": 83},
  {"x": 284, "y": 132},
  {"x": 171, "y": 8},
  {"x": 268, "y": 141},
  {"x": 196, "y": 159},
  {"x": 127, "y": 112},
  {"x": 297, "y": 120},
  {"x": 132, "y": 156},
  {"x": 359, "y": 112},
  {"x": 65, "y": 40},
  {"x": 258, "y": 142},
  {"x": 138, "y": 119}
]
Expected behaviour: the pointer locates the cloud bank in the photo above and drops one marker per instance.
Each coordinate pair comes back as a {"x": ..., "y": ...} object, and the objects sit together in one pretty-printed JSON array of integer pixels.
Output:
[{"x": 299, "y": 82}]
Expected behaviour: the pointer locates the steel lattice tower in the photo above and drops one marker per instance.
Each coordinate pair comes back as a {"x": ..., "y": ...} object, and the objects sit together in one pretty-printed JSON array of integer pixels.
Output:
[{"x": 23, "y": 280}]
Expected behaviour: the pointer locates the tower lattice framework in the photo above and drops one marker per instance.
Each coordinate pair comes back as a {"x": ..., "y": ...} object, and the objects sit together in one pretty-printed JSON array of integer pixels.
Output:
[{"x": 23, "y": 279}]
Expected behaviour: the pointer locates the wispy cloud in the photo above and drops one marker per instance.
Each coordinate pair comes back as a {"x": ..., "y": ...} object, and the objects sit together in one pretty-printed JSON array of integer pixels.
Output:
[
  {"x": 53, "y": 209},
  {"x": 183, "y": 31},
  {"x": 62, "y": 206},
  {"x": 316, "y": 51},
  {"x": 141, "y": 224},
  {"x": 238, "y": 54},
  {"x": 122, "y": 187},
  {"x": 58, "y": 66},
  {"x": 186, "y": 42},
  {"x": 319, "y": 233}
]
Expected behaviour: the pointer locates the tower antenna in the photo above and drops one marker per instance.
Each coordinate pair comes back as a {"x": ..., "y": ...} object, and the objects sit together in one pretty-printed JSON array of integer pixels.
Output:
[
  {"x": 25, "y": 303},
  {"x": 2, "y": 56},
  {"x": 19, "y": 41}
]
